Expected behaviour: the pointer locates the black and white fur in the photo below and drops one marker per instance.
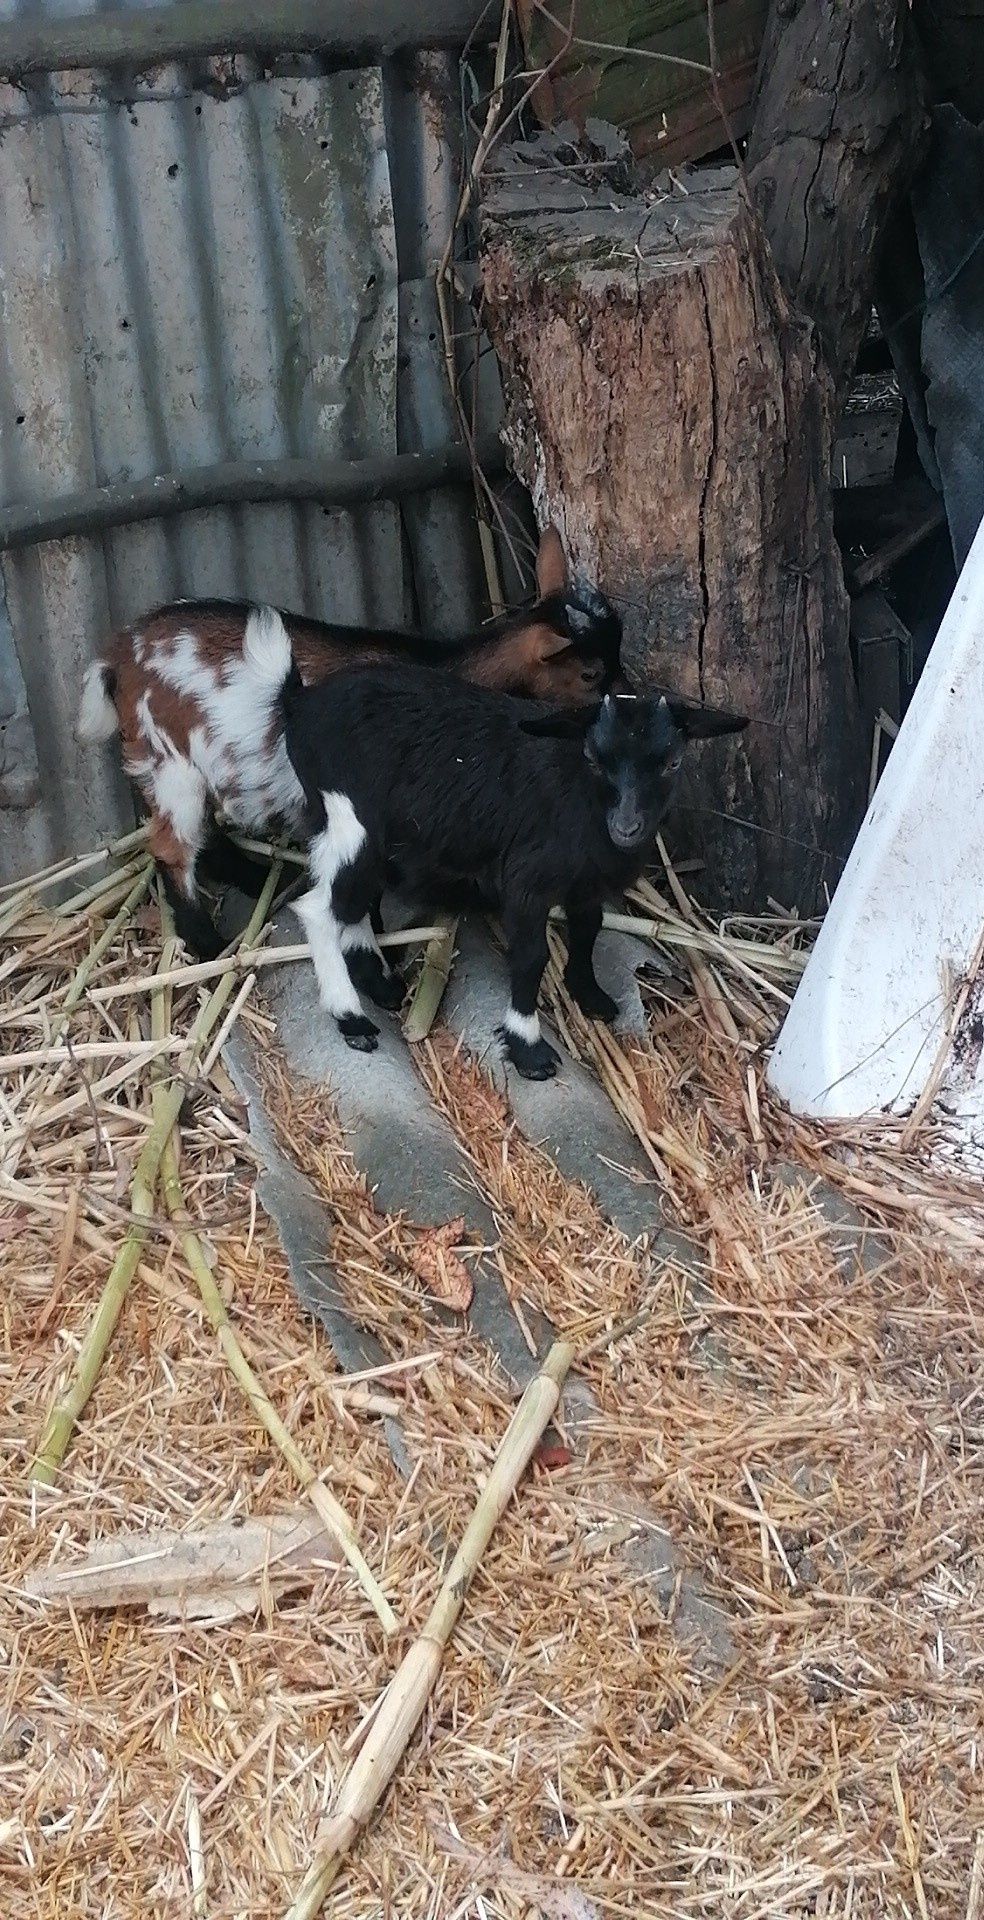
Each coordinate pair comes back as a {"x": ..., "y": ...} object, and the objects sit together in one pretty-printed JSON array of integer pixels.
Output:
[{"x": 463, "y": 795}]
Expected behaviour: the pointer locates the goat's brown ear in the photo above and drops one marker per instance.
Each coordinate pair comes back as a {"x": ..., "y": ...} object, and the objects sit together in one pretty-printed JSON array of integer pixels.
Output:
[
  {"x": 551, "y": 564},
  {"x": 551, "y": 645}
]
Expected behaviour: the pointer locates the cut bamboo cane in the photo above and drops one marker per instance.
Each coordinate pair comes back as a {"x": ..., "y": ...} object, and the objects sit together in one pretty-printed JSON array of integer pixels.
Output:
[
  {"x": 434, "y": 976},
  {"x": 16, "y": 893},
  {"x": 241, "y": 962},
  {"x": 84, "y": 971},
  {"x": 59, "y": 1426},
  {"x": 407, "y": 1694},
  {"x": 107, "y": 886}
]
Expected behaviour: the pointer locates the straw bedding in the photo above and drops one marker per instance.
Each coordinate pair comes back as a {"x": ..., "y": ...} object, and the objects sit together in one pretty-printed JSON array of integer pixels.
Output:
[{"x": 724, "y": 1654}]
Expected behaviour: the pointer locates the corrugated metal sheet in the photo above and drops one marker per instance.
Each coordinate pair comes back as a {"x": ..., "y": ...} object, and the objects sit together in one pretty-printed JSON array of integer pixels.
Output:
[{"x": 206, "y": 271}]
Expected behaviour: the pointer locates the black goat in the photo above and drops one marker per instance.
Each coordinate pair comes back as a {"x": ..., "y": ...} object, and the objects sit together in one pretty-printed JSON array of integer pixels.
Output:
[{"x": 405, "y": 771}]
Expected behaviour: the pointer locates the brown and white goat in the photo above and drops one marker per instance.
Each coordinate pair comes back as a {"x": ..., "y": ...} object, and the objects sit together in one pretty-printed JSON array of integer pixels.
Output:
[{"x": 203, "y": 737}]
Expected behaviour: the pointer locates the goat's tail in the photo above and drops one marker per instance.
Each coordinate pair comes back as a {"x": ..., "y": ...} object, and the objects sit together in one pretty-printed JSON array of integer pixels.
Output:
[
  {"x": 98, "y": 718},
  {"x": 267, "y": 651}
]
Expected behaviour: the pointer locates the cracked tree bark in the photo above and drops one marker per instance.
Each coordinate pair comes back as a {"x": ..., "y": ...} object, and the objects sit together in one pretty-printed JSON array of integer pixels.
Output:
[
  {"x": 834, "y": 142},
  {"x": 668, "y": 410}
]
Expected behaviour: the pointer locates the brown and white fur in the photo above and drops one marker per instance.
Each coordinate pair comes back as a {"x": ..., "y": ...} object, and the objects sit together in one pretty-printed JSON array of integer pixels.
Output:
[{"x": 202, "y": 734}]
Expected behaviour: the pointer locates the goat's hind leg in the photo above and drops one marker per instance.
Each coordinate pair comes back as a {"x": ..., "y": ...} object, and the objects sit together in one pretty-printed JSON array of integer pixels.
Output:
[
  {"x": 367, "y": 964},
  {"x": 583, "y": 927}
]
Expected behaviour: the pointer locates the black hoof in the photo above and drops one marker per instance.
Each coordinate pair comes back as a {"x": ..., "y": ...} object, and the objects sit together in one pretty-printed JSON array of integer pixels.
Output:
[
  {"x": 593, "y": 1001},
  {"x": 534, "y": 1061},
  {"x": 358, "y": 1032}
]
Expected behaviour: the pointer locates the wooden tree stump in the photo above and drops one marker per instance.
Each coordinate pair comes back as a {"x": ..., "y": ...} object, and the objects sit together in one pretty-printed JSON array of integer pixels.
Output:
[{"x": 670, "y": 413}]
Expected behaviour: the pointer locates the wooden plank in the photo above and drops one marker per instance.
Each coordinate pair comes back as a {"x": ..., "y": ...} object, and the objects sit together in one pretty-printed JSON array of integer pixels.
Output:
[
  {"x": 665, "y": 104},
  {"x": 334, "y": 483}
]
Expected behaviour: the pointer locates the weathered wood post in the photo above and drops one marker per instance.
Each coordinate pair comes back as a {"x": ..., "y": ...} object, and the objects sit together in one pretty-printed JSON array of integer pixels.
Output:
[
  {"x": 665, "y": 406},
  {"x": 672, "y": 366}
]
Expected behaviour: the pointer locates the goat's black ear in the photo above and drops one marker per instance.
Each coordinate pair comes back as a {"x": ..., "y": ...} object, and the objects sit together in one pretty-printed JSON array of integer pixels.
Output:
[
  {"x": 560, "y": 723},
  {"x": 705, "y": 723}
]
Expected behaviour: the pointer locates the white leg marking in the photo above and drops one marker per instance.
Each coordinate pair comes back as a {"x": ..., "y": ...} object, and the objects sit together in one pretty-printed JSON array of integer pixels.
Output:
[
  {"x": 340, "y": 841},
  {"x": 336, "y": 846},
  {"x": 523, "y": 1026},
  {"x": 338, "y": 995}
]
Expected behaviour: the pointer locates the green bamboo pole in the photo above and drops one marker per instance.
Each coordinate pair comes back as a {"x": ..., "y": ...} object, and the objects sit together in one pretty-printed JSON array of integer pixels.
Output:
[
  {"x": 434, "y": 976},
  {"x": 63, "y": 1416},
  {"x": 87, "y": 966}
]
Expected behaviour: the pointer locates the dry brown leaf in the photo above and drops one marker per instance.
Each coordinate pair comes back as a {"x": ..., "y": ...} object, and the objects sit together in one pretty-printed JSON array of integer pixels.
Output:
[
  {"x": 551, "y": 1898},
  {"x": 441, "y": 1271},
  {"x": 212, "y": 1576}
]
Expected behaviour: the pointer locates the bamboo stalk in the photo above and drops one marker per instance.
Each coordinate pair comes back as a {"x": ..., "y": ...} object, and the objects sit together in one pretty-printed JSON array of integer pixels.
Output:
[
  {"x": 325, "y": 1504},
  {"x": 97, "y": 890},
  {"x": 434, "y": 976},
  {"x": 407, "y": 1694},
  {"x": 60, "y": 1423},
  {"x": 86, "y": 967},
  {"x": 241, "y": 962},
  {"x": 52, "y": 876},
  {"x": 55, "y": 1056},
  {"x": 291, "y": 856}
]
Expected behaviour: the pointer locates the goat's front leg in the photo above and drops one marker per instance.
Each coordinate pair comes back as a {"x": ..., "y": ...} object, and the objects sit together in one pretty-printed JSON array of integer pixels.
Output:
[
  {"x": 338, "y": 901},
  {"x": 583, "y": 928},
  {"x": 175, "y": 842},
  {"x": 526, "y": 937}
]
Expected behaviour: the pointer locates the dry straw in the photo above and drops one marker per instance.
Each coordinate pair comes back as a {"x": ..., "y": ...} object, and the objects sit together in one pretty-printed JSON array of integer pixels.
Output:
[
  {"x": 411, "y": 1686},
  {"x": 158, "y": 1163},
  {"x": 728, "y": 1639}
]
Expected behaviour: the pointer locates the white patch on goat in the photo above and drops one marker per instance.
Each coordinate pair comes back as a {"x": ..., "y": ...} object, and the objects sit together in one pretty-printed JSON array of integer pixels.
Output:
[
  {"x": 240, "y": 747},
  {"x": 523, "y": 1026},
  {"x": 180, "y": 796},
  {"x": 336, "y": 846},
  {"x": 342, "y": 838},
  {"x": 98, "y": 718},
  {"x": 157, "y": 738}
]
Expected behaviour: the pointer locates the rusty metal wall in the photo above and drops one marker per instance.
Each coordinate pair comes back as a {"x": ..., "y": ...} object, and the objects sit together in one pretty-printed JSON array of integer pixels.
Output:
[{"x": 213, "y": 265}]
